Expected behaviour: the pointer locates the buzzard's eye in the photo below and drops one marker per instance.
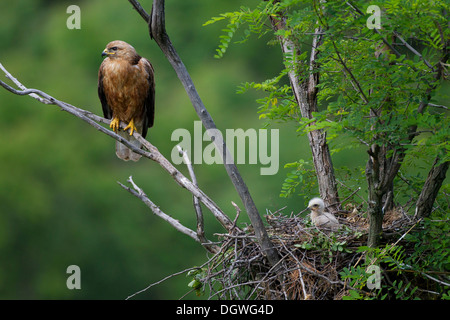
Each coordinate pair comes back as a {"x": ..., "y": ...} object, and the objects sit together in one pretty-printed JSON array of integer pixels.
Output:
[{"x": 114, "y": 48}]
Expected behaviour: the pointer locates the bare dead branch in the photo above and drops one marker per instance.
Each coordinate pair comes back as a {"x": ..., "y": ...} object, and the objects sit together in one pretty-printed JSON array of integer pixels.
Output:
[
  {"x": 137, "y": 6},
  {"x": 197, "y": 206},
  {"x": 21, "y": 86},
  {"x": 437, "y": 106},
  {"x": 139, "y": 193},
  {"x": 152, "y": 153},
  {"x": 157, "y": 31}
]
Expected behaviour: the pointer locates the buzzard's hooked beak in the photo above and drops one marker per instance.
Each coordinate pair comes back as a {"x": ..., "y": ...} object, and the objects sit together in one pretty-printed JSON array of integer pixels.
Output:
[{"x": 107, "y": 52}]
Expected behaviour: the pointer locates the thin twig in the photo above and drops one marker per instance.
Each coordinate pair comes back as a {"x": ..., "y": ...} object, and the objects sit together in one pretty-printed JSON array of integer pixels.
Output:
[
  {"x": 413, "y": 50},
  {"x": 437, "y": 106},
  {"x": 356, "y": 9},
  {"x": 139, "y": 193},
  {"x": 305, "y": 295},
  {"x": 238, "y": 211},
  {"x": 196, "y": 202},
  {"x": 173, "y": 275},
  {"x": 354, "y": 82},
  {"x": 161, "y": 281}
]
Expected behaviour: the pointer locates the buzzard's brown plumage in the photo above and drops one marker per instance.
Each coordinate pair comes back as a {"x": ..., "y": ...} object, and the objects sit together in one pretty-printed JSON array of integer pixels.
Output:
[{"x": 126, "y": 88}]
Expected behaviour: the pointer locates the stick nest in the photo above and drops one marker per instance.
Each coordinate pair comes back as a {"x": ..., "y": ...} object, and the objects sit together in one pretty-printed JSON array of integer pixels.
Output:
[{"x": 310, "y": 259}]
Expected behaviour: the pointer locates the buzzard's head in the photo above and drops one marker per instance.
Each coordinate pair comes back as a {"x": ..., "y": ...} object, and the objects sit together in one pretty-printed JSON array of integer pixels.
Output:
[
  {"x": 316, "y": 205},
  {"x": 119, "y": 50}
]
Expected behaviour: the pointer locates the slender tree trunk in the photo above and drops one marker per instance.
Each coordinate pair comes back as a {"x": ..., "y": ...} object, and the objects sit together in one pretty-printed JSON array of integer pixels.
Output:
[
  {"x": 433, "y": 183},
  {"x": 305, "y": 93},
  {"x": 380, "y": 173},
  {"x": 374, "y": 174},
  {"x": 375, "y": 220}
]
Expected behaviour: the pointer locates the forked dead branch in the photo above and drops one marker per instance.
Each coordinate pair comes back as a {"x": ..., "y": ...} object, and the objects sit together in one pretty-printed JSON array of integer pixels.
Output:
[{"x": 151, "y": 153}]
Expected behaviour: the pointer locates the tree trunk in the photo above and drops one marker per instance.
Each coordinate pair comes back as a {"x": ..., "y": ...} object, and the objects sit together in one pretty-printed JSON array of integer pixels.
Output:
[
  {"x": 380, "y": 173},
  {"x": 375, "y": 214},
  {"x": 324, "y": 169},
  {"x": 375, "y": 209},
  {"x": 305, "y": 93},
  {"x": 433, "y": 183}
]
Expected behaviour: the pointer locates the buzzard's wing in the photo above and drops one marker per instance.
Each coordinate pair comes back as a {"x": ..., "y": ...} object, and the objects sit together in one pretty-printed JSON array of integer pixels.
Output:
[
  {"x": 331, "y": 218},
  {"x": 150, "y": 98},
  {"x": 107, "y": 112}
]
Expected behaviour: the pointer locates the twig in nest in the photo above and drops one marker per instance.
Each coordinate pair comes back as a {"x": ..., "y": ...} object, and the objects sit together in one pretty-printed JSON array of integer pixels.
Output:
[{"x": 238, "y": 211}]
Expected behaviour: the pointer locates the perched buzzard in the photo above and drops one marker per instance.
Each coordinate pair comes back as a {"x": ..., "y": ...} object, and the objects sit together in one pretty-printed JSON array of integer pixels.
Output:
[
  {"x": 126, "y": 88},
  {"x": 321, "y": 219}
]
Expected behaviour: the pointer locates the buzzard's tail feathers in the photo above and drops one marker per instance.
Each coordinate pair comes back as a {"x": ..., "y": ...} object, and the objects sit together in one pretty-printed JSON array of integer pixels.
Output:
[{"x": 125, "y": 153}]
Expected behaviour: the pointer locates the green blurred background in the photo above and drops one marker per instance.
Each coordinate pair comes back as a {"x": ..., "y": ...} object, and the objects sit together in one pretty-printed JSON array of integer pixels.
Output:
[{"x": 60, "y": 203}]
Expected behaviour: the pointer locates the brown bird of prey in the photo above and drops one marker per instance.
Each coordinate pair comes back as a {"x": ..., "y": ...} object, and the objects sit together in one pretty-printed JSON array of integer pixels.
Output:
[
  {"x": 126, "y": 88},
  {"x": 321, "y": 219}
]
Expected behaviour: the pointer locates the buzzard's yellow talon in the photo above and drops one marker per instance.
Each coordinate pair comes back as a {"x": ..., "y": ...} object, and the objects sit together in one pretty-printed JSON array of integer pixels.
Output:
[
  {"x": 130, "y": 126},
  {"x": 115, "y": 124}
]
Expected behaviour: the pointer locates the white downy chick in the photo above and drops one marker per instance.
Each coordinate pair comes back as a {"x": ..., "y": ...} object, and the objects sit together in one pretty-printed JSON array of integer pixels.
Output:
[{"x": 321, "y": 219}]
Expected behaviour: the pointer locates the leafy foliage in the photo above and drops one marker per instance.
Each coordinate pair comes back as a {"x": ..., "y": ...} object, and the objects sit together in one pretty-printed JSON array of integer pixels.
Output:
[
  {"x": 431, "y": 244},
  {"x": 328, "y": 245},
  {"x": 411, "y": 270},
  {"x": 196, "y": 282},
  {"x": 377, "y": 88},
  {"x": 303, "y": 175},
  {"x": 368, "y": 93},
  {"x": 253, "y": 19}
]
